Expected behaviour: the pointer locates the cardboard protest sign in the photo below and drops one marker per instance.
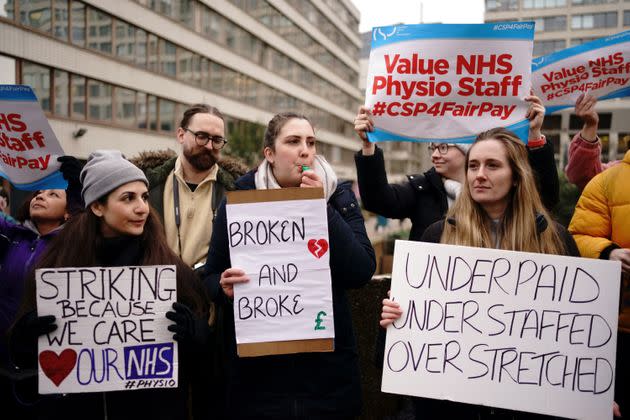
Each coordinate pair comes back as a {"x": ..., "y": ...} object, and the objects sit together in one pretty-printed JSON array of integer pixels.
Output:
[
  {"x": 448, "y": 83},
  {"x": 280, "y": 239},
  {"x": 523, "y": 331},
  {"x": 111, "y": 329},
  {"x": 28, "y": 147},
  {"x": 600, "y": 67}
]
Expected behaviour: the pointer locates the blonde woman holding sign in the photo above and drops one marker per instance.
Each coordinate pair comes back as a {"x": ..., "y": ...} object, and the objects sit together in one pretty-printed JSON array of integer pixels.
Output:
[
  {"x": 117, "y": 229},
  {"x": 303, "y": 385},
  {"x": 500, "y": 208}
]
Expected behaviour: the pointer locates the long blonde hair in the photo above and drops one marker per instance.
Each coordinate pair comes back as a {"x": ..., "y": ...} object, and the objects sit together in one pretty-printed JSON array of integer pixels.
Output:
[{"x": 518, "y": 231}]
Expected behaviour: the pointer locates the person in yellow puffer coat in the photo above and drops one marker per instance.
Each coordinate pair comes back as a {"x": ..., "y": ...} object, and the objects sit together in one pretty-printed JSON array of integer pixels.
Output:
[{"x": 601, "y": 229}]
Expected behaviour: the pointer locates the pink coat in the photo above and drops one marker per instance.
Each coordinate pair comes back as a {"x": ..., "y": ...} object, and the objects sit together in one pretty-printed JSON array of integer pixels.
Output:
[{"x": 585, "y": 161}]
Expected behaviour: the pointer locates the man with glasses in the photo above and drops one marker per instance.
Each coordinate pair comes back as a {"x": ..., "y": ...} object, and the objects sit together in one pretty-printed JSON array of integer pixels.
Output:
[{"x": 186, "y": 190}]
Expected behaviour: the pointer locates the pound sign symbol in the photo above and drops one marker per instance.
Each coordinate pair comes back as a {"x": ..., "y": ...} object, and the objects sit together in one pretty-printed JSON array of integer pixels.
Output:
[{"x": 319, "y": 320}]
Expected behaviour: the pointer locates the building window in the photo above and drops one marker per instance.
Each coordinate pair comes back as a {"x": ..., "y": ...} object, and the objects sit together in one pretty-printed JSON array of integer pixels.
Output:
[
  {"x": 141, "y": 110},
  {"x": 152, "y": 53},
  {"x": 168, "y": 58},
  {"x": 551, "y": 23},
  {"x": 167, "y": 115},
  {"x": 587, "y": 2},
  {"x": 141, "y": 48},
  {"x": 62, "y": 92},
  {"x": 38, "y": 77},
  {"x": 548, "y": 46},
  {"x": 623, "y": 144},
  {"x": 605, "y": 119},
  {"x": 626, "y": 18},
  {"x": 7, "y": 9},
  {"x": 77, "y": 16},
  {"x": 125, "y": 41},
  {"x": 77, "y": 97},
  {"x": 594, "y": 20},
  {"x": 497, "y": 5},
  {"x": 60, "y": 29},
  {"x": 35, "y": 14},
  {"x": 152, "y": 112},
  {"x": 580, "y": 41},
  {"x": 125, "y": 105},
  {"x": 543, "y": 4},
  {"x": 99, "y": 101},
  {"x": 99, "y": 31}
]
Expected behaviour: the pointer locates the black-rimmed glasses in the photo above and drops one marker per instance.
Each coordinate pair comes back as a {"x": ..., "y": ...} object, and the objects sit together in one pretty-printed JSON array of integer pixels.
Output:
[
  {"x": 202, "y": 138},
  {"x": 441, "y": 147}
]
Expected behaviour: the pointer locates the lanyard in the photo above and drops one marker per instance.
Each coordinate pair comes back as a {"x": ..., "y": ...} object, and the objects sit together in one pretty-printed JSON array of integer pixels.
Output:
[{"x": 214, "y": 199}]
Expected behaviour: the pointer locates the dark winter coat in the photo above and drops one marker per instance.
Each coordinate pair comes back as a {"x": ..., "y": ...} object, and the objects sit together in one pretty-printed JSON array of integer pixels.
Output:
[
  {"x": 20, "y": 248},
  {"x": 434, "y": 233},
  {"x": 306, "y": 385},
  {"x": 423, "y": 197}
]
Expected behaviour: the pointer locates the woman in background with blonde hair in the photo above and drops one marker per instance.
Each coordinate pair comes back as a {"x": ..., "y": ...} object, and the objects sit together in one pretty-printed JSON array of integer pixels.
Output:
[{"x": 499, "y": 207}]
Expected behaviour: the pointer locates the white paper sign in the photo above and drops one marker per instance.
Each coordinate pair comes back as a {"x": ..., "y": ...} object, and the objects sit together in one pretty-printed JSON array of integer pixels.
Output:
[
  {"x": 600, "y": 67},
  {"x": 448, "y": 83},
  {"x": 515, "y": 330},
  {"x": 28, "y": 147},
  {"x": 283, "y": 248},
  {"x": 111, "y": 329}
]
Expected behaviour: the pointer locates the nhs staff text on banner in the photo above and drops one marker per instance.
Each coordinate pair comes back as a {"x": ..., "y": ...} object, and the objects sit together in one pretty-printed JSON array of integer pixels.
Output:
[{"x": 447, "y": 83}]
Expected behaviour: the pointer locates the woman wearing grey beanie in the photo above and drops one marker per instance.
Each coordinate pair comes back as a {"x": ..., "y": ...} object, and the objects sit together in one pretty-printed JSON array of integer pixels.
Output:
[{"x": 118, "y": 228}]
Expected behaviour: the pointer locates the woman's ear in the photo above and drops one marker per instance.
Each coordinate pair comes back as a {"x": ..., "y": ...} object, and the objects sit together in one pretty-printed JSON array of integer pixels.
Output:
[
  {"x": 97, "y": 209},
  {"x": 268, "y": 153},
  {"x": 66, "y": 216}
]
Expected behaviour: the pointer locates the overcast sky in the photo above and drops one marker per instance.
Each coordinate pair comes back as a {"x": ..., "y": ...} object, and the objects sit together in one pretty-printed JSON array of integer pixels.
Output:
[{"x": 388, "y": 12}]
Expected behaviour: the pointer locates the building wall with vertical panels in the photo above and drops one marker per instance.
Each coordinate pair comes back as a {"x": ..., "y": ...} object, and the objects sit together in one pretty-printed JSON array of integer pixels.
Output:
[{"x": 245, "y": 88}]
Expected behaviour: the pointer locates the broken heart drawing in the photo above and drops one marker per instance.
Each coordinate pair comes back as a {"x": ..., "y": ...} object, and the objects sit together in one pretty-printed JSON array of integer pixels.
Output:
[{"x": 318, "y": 247}]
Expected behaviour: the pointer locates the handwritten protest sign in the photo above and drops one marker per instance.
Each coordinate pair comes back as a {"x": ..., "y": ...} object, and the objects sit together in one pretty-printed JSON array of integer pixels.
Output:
[
  {"x": 280, "y": 239},
  {"x": 28, "y": 146},
  {"x": 111, "y": 329},
  {"x": 447, "y": 83},
  {"x": 600, "y": 67},
  {"x": 522, "y": 331}
]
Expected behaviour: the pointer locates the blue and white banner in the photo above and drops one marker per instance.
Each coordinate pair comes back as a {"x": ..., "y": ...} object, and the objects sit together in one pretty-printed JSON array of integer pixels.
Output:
[
  {"x": 28, "y": 147},
  {"x": 447, "y": 83},
  {"x": 600, "y": 67}
]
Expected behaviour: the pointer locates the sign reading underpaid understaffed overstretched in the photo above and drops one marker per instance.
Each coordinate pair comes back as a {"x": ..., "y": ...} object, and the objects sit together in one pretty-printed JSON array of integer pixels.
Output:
[
  {"x": 280, "y": 239},
  {"x": 515, "y": 330},
  {"x": 111, "y": 329}
]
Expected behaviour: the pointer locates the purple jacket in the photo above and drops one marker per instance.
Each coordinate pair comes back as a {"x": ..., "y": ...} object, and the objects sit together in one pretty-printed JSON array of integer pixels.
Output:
[{"x": 20, "y": 248}]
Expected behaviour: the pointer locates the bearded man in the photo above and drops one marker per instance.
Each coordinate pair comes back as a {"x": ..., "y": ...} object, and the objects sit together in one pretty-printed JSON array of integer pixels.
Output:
[{"x": 187, "y": 189}]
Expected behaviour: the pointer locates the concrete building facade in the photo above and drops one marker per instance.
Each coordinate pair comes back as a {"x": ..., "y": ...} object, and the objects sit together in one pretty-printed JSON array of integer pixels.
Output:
[{"x": 118, "y": 74}]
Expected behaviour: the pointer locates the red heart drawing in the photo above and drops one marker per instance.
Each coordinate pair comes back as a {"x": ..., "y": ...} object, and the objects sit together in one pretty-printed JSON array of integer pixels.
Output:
[
  {"x": 57, "y": 368},
  {"x": 318, "y": 247}
]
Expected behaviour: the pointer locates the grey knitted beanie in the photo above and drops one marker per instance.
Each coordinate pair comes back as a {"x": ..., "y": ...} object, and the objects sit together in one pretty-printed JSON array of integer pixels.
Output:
[
  {"x": 105, "y": 171},
  {"x": 463, "y": 147}
]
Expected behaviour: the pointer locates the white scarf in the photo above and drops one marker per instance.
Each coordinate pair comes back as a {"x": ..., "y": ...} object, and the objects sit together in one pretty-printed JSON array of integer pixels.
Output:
[
  {"x": 265, "y": 180},
  {"x": 453, "y": 188}
]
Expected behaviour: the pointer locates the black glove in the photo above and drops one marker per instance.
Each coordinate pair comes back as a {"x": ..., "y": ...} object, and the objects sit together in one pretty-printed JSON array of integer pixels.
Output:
[
  {"x": 23, "y": 340},
  {"x": 189, "y": 330},
  {"x": 71, "y": 170}
]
